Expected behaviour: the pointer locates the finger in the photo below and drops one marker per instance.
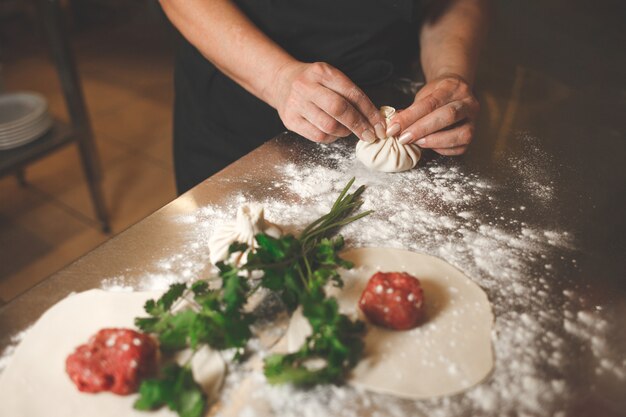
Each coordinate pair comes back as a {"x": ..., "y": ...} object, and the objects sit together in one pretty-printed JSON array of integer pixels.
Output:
[
  {"x": 337, "y": 81},
  {"x": 441, "y": 118},
  {"x": 323, "y": 121},
  {"x": 306, "y": 129},
  {"x": 459, "y": 150},
  {"x": 341, "y": 110},
  {"x": 449, "y": 138},
  {"x": 420, "y": 108}
]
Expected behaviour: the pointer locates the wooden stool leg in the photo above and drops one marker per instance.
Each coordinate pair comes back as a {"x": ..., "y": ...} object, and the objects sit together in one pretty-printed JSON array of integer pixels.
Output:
[
  {"x": 75, "y": 101},
  {"x": 93, "y": 174}
]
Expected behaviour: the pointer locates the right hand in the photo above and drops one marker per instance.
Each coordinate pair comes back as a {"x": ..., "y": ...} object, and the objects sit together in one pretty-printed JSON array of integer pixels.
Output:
[{"x": 321, "y": 103}]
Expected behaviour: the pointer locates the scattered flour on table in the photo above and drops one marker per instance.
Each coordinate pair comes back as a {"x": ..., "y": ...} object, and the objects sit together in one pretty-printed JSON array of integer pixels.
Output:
[
  {"x": 444, "y": 209},
  {"x": 534, "y": 169},
  {"x": 152, "y": 282}
]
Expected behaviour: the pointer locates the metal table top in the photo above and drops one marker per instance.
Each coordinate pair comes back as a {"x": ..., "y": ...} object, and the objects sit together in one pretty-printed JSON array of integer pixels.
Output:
[{"x": 580, "y": 206}]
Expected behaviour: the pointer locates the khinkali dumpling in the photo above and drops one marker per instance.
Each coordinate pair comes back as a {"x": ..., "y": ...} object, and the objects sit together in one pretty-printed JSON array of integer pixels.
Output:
[
  {"x": 388, "y": 155},
  {"x": 250, "y": 222}
]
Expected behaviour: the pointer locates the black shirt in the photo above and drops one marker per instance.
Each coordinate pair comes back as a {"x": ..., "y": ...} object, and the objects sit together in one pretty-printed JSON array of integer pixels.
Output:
[
  {"x": 216, "y": 121},
  {"x": 365, "y": 39}
]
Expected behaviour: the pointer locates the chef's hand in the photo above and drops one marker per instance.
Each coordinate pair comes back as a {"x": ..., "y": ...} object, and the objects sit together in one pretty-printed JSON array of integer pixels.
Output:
[
  {"x": 441, "y": 117},
  {"x": 320, "y": 103}
]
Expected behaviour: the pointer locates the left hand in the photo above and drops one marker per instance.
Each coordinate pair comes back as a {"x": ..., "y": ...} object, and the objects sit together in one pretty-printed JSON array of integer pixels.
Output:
[{"x": 441, "y": 117}]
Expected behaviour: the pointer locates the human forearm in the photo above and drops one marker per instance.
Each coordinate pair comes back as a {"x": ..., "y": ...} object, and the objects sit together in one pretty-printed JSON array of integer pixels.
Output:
[
  {"x": 442, "y": 116},
  {"x": 313, "y": 99},
  {"x": 227, "y": 38},
  {"x": 451, "y": 38}
]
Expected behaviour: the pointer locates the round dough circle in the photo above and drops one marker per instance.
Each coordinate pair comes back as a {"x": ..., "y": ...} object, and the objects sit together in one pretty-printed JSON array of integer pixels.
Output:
[
  {"x": 448, "y": 353},
  {"x": 35, "y": 384}
]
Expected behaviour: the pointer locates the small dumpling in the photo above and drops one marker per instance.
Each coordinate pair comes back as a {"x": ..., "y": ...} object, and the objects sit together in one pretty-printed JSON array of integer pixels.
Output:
[
  {"x": 250, "y": 222},
  {"x": 388, "y": 155}
]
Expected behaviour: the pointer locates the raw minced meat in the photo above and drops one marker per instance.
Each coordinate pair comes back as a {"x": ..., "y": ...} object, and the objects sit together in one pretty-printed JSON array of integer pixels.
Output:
[
  {"x": 393, "y": 300},
  {"x": 113, "y": 360}
]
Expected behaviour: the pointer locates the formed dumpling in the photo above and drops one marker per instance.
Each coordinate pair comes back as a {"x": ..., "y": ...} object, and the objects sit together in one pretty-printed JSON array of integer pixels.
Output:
[
  {"x": 388, "y": 155},
  {"x": 250, "y": 222}
]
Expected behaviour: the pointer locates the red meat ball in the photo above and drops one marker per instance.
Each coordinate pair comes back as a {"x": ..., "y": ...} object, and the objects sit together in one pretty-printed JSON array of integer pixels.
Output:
[
  {"x": 113, "y": 360},
  {"x": 394, "y": 300}
]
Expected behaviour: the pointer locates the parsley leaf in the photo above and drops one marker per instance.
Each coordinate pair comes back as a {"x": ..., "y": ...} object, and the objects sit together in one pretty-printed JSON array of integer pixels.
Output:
[{"x": 175, "y": 389}]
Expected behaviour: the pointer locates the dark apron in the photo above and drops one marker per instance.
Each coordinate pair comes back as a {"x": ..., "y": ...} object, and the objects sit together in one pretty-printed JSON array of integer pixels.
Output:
[{"x": 216, "y": 121}]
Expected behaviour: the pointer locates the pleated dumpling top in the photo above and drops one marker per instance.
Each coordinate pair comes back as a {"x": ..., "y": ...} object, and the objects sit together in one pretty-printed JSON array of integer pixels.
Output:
[{"x": 388, "y": 155}]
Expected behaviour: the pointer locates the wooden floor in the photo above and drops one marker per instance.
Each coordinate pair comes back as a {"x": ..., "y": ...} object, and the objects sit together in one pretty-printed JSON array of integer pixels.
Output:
[{"x": 127, "y": 80}]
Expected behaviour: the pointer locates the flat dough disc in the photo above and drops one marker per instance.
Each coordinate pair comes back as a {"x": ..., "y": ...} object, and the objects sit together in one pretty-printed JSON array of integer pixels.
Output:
[
  {"x": 35, "y": 384},
  {"x": 448, "y": 353}
]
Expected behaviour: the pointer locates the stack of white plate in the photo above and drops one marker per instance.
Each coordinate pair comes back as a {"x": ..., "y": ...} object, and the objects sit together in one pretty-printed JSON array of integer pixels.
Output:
[{"x": 24, "y": 117}]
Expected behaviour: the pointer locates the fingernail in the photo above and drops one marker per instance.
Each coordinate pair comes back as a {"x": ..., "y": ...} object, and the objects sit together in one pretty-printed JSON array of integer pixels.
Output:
[
  {"x": 380, "y": 130},
  {"x": 405, "y": 138},
  {"x": 368, "y": 136},
  {"x": 421, "y": 142},
  {"x": 393, "y": 129}
]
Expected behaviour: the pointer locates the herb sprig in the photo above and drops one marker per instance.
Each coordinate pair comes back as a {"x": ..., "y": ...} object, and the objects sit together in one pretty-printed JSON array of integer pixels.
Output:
[{"x": 297, "y": 269}]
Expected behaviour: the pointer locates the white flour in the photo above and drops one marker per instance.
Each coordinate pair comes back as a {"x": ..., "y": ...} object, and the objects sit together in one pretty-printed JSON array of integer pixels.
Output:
[{"x": 444, "y": 209}]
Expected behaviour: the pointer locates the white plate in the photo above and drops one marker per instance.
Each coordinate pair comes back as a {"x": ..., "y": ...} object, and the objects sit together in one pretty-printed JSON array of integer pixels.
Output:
[
  {"x": 17, "y": 145},
  {"x": 19, "y": 131},
  {"x": 22, "y": 126},
  {"x": 31, "y": 136},
  {"x": 19, "y": 109},
  {"x": 26, "y": 132}
]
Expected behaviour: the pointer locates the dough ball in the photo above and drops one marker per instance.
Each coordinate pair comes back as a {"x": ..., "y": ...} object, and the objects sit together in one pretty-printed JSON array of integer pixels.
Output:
[
  {"x": 388, "y": 155},
  {"x": 250, "y": 221}
]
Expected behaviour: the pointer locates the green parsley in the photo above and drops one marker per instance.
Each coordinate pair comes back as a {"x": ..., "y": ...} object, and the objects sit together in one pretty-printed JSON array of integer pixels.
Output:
[{"x": 297, "y": 269}]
